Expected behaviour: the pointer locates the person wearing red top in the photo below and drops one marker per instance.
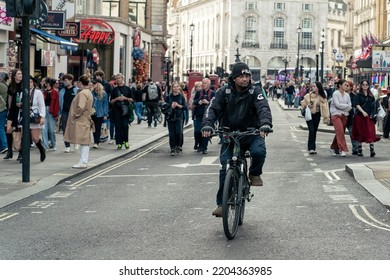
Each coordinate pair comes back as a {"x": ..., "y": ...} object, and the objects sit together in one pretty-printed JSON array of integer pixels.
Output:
[{"x": 52, "y": 104}]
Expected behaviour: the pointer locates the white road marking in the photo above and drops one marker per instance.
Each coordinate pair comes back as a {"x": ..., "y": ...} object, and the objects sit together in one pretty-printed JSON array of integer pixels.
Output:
[
  {"x": 5, "y": 216},
  {"x": 204, "y": 161},
  {"x": 359, "y": 217}
]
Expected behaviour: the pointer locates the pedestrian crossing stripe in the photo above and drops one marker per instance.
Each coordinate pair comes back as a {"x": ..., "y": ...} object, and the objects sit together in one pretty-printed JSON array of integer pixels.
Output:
[{"x": 5, "y": 216}]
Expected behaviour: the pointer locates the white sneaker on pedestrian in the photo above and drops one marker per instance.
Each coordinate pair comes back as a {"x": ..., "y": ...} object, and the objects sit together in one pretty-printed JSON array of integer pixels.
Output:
[
  {"x": 332, "y": 152},
  {"x": 55, "y": 149},
  {"x": 95, "y": 146},
  {"x": 343, "y": 154},
  {"x": 80, "y": 166},
  {"x": 111, "y": 142},
  {"x": 67, "y": 150},
  {"x": 77, "y": 146},
  {"x": 312, "y": 152}
]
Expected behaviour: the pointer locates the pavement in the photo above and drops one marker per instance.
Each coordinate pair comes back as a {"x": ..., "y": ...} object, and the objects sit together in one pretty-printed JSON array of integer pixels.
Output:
[
  {"x": 57, "y": 168},
  {"x": 373, "y": 176}
]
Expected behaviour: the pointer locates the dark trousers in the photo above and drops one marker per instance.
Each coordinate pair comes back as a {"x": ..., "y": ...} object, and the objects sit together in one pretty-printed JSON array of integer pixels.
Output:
[
  {"x": 255, "y": 145},
  {"x": 64, "y": 120},
  {"x": 200, "y": 141},
  {"x": 152, "y": 109},
  {"x": 175, "y": 129},
  {"x": 98, "y": 127},
  {"x": 386, "y": 126},
  {"x": 313, "y": 127},
  {"x": 121, "y": 128}
]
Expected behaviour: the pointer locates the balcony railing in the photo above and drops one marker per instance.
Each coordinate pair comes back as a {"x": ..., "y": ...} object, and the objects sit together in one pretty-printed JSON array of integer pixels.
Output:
[
  {"x": 278, "y": 46},
  {"x": 307, "y": 47},
  {"x": 250, "y": 45}
]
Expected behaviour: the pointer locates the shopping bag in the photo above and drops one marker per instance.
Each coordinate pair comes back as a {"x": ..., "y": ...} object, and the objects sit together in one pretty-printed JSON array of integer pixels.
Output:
[
  {"x": 381, "y": 113},
  {"x": 17, "y": 140},
  {"x": 104, "y": 132},
  {"x": 307, "y": 114}
]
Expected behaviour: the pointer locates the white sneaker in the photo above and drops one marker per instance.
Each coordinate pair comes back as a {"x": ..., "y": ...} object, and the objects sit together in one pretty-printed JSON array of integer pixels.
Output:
[
  {"x": 332, "y": 152},
  {"x": 55, "y": 149},
  {"x": 312, "y": 152},
  {"x": 77, "y": 146},
  {"x": 95, "y": 146},
  {"x": 342, "y": 154},
  {"x": 111, "y": 142},
  {"x": 67, "y": 150},
  {"x": 80, "y": 166}
]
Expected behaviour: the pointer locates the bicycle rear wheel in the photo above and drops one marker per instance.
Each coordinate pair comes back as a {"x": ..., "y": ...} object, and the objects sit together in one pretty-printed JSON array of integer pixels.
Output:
[{"x": 231, "y": 206}]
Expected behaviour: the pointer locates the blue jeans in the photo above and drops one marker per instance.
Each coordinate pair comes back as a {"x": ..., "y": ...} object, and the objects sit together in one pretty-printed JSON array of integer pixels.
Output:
[
  {"x": 256, "y": 146},
  {"x": 49, "y": 130},
  {"x": 138, "y": 110},
  {"x": 3, "y": 138}
]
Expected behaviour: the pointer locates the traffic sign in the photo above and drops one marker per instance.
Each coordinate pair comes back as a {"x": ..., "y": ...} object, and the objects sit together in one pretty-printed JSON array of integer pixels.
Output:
[{"x": 339, "y": 57}]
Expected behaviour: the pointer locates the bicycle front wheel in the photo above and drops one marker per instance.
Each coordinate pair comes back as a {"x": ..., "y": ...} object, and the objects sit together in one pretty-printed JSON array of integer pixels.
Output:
[{"x": 231, "y": 205}]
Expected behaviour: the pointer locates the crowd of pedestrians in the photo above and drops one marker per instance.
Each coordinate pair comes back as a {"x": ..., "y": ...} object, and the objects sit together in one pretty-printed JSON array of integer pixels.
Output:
[{"x": 345, "y": 105}]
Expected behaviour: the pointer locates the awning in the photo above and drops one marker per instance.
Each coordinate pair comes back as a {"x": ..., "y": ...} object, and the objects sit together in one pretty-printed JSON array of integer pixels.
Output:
[{"x": 50, "y": 38}]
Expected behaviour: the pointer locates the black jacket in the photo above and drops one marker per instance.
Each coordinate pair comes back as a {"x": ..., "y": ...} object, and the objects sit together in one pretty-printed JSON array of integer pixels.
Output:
[
  {"x": 238, "y": 111},
  {"x": 199, "y": 109}
]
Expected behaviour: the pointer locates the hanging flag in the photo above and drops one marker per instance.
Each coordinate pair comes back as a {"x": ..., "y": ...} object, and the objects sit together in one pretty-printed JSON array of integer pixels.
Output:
[{"x": 364, "y": 41}]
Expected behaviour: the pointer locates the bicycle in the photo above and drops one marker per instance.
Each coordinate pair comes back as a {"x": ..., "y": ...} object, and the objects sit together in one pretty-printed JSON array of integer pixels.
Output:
[
  {"x": 145, "y": 114},
  {"x": 236, "y": 189}
]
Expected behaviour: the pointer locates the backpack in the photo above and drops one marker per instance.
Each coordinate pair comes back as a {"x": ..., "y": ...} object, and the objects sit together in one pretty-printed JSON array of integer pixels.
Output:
[
  {"x": 152, "y": 92},
  {"x": 208, "y": 95}
]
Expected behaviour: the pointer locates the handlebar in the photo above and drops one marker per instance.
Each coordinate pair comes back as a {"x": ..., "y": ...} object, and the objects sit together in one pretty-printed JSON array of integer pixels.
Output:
[{"x": 250, "y": 131}]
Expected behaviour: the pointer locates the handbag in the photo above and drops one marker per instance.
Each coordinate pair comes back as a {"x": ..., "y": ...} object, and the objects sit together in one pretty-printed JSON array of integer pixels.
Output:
[
  {"x": 34, "y": 116},
  {"x": 125, "y": 109},
  {"x": 381, "y": 113},
  {"x": 104, "y": 132},
  {"x": 17, "y": 140},
  {"x": 308, "y": 114},
  {"x": 131, "y": 112}
]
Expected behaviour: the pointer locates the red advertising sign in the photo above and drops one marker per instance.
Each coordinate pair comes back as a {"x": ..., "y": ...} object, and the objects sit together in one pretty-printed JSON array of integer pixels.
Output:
[{"x": 96, "y": 31}]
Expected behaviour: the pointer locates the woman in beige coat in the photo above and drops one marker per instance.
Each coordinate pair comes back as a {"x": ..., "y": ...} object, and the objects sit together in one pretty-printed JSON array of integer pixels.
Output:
[
  {"x": 80, "y": 123},
  {"x": 319, "y": 107}
]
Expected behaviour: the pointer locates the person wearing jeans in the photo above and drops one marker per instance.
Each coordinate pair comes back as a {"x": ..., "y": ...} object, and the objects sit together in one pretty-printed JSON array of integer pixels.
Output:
[
  {"x": 52, "y": 105},
  {"x": 3, "y": 115}
]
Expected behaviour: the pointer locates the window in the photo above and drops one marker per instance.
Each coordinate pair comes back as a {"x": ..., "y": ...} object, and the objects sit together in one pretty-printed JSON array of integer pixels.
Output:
[
  {"x": 137, "y": 12},
  {"x": 81, "y": 7},
  {"x": 307, "y": 40},
  {"x": 250, "y": 30},
  {"x": 278, "y": 39},
  {"x": 307, "y": 23},
  {"x": 279, "y": 6},
  {"x": 279, "y": 22},
  {"x": 111, "y": 8},
  {"x": 251, "y": 6},
  {"x": 307, "y": 7}
]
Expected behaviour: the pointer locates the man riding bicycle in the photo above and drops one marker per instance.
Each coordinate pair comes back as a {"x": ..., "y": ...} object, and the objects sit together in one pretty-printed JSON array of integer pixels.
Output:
[{"x": 239, "y": 106}]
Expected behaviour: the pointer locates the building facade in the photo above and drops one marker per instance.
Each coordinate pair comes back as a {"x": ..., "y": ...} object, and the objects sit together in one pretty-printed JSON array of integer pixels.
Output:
[{"x": 261, "y": 33}]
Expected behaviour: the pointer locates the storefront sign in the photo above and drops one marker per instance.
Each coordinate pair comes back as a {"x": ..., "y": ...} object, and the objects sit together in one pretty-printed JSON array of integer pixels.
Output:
[
  {"x": 6, "y": 23},
  {"x": 72, "y": 30},
  {"x": 96, "y": 31},
  {"x": 55, "y": 20},
  {"x": 381, "y": 58}
]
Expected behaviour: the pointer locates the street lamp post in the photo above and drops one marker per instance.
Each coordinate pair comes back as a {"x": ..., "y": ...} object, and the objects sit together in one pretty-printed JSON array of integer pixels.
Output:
[
  {"x": 192, "y": 27},
  {"x": 286, "y": 60},
  {"x": 173, "y": 62},
  {"x": 167, "y": 61},
  {"x": 299, "y": 30},
  {"x": 322, "y": 55}
]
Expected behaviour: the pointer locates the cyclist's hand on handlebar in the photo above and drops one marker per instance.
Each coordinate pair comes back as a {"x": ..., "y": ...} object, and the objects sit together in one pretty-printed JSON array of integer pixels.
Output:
[
  {"x": 264, "y": 130},
  {"x": 207, "y": 131}
]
